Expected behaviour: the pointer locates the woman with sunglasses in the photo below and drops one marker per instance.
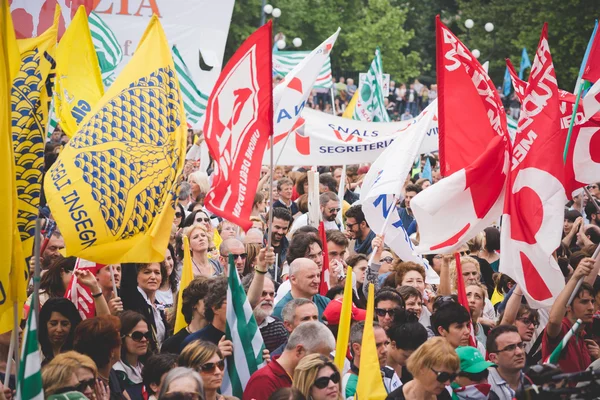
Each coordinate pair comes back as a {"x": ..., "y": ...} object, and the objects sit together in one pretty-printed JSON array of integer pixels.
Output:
[
  {"x": 70, "y": 372},
  {"x": 317, "y": 378},
  {"x": 200, "y": 242},
  {"x": 434, "y": 366},
  {"x": 207, "y": 360},
  {"x": 58, "y": 319},
  {"x": 135, "y": 338}
]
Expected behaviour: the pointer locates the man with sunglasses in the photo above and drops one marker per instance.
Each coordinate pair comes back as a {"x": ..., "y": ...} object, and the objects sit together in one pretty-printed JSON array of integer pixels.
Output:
[
  {"x": 235, "y": 247},
  {"x": 282, "y": 219},
  {"x": 506, "y": 349},
  {"x": 330, "y": 207},
  {"x": 358, "y": 229},
  {"x": 382, "y": 342},
  {"x": 472, "y": 380}
]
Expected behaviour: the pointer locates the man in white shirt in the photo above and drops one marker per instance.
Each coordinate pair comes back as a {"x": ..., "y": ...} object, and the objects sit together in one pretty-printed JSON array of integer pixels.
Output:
[{"x": 330, "y": 207}]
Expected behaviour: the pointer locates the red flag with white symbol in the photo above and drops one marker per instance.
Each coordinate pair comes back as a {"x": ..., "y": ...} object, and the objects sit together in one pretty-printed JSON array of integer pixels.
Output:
[
  {"x": 239, "y": 121},
  {"x": 474, "y": 148},
  {"x": 534, "y": 205},
  {"x": 81, "y": 295}
]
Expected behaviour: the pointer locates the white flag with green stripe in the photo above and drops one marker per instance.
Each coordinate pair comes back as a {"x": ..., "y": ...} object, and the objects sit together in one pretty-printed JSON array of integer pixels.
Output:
[
  {"x": 194, "y": 101},
  {"x": 107, "y": 47},
  {"x": 242, "y": 330},
  {"x": 285, "y": 61},
  {"x": 29, "y": 384},
  {"x": 369, "y": 105}
]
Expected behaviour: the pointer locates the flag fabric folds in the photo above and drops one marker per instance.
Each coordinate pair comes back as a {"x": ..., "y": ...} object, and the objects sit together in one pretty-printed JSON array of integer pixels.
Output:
[
  {"x": 343, "y": 336},
  {"x": 370, "y": 383},
  {"x": 325, "y": 272},
  {"x": 525, "y": 63},
  {"x": 455, "y": 209},
  {"x": 107, "y": 47},
  {"x": 382, "y": 187},
  {"x": 591, "y": 72},
  {"x": 369, "y": 105},
  {"x": 285, "y": 61},
  {"x": 78, "y": 82},
  {"x": 193, "y": 99},
  {"x": 426, "y": 173},
  {"x": 349, "y": 111},
  {"x": 29, "y": 103},
  {"x": 534, "y": 205},
  {"x": 243, "y": 331},
  {"x": 462, "y": 297},
  {"x": 239, "y": 121},
  {"x": 112, "y": 189},
  {"x": 506, "y": 85},
  {"x": 81, "y": 295},
  {"x": 29, "y": 382},
  {"x": 187, "y": 275}
]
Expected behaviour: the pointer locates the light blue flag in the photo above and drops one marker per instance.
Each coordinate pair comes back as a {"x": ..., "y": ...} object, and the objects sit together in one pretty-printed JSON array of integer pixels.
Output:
[
  {"x": 426, "y": 173},
  {"x": 525, "y": 63},
  {"x": 507, "y": 83}
]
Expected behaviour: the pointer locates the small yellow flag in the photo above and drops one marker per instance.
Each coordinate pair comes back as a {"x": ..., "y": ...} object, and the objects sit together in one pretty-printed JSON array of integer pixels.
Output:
[
  {"x": 370, "y": 383},
  {"x": 343, "y": 335},
  {"x": 187, "y": 275},
  {"x": 349, "y": 111},
  {"x": 112, "y": 189},
  {"x": 78, "y": 85}
]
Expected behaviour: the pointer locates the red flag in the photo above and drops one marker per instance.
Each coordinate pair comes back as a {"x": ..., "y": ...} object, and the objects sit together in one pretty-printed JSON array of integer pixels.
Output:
[
  {"x": 474, "y": 148},
  {"x": 591, "y": 71},
  {"x": 461, "y": 292},
  {"x": 81, "y": 295},
  {"x": 239, "y": 120},
  {"x": 535, "y": 199},
  {"x": 324, "y": 284}
]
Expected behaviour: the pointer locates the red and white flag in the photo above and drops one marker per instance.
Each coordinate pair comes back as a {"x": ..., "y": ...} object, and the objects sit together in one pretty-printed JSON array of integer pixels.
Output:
[
  {"x": 591, "y": 72},
  {"x": 461, "y": 292},
  {"x": 474, "y": 147},
  {"x": 81, "y": 295},
  {"x": 534, "y": 206},
  {"x": 239, "y": 121}
]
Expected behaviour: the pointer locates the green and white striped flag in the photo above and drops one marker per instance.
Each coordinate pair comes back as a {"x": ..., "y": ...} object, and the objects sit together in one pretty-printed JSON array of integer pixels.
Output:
[
  {"x": 29, "y": 384},
  {"x": 370, "y": 106},
  {"x": 107, "y": 47},
  {"x": 243, "y": 331},
  {"x": 512, "y": 127},
  {"x": 555, "y": 355},
  {"x": 285, "y": 61},
  {"x": 194, "y": 101}
]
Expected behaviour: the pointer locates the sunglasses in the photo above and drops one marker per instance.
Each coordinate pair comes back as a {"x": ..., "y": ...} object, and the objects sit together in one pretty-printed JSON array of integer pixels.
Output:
[
  {"x": 242, "y": 256},
  {"x": 513, "y": 347},
  {"x": 334, "y": 210},
  {"x": 85, "y": 384},
  {"x": 388, "y": 259},
  {"x": 349, "y": 226},
  {"x": 200, "y": 219},
  {"x": 443, "y": 376},
  {"x": 209, "y": 368},
  {"x": 178, "y": 215},
  {"x": 323, "y": 382},
  {"x": 381, "y": 312},
  {"x": 137, "y": 336},
  {"x": 592, "y": 187},
  {"x": 527, "y": 322}
]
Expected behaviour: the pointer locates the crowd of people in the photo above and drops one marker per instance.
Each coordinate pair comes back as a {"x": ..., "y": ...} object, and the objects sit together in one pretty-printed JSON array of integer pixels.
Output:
[{"x": 428, "y": 345}]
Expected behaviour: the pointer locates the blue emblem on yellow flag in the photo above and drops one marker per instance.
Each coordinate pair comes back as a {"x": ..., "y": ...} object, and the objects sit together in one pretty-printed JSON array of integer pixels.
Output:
[
  {"x": 112, "y": 189},
  {"x": 29, "y": 106}
]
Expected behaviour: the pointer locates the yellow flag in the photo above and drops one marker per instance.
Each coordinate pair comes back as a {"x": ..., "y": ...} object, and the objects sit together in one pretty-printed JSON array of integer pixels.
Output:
[
  {"x": 187, "y": 275},
  {"x": 12, "y": 262},
  {"x": 370, "y": 383},
  {"x": 112, "y": 189},
  {"x": 29, "y": 102},
  {"x": 349, "y": 111},
  {"x": 78, "y": 85},
  {"x": 217, "y": 240},
  {"x": 343, "y": 335}
]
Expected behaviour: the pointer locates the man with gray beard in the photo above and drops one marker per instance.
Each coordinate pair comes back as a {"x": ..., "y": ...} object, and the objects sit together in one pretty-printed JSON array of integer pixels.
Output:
[{"x": 272, "y": 329}]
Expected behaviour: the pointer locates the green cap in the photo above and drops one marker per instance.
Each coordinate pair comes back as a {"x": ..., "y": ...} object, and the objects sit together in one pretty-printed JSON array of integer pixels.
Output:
[{"x": 471, "y": 360}]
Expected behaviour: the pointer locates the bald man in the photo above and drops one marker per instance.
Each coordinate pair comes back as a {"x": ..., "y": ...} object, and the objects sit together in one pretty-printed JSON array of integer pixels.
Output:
[
  {"x": 235, "y": 247},
  {"x": 305, "y": 276},
  {"x": 254, "y": 236}
]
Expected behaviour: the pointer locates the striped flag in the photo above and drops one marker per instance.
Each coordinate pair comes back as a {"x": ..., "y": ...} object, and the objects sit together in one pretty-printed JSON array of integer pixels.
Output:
[
  {"x": 107, "y": 47},
  {"x": 242, "y": 330},
  {"x": 29, "y": 384},
  {"x": 285, "y": 61},
  {"x": 194, "y": 101},
  {"x": 555, "y": 355},
  {"x": 370, "y": 104}
]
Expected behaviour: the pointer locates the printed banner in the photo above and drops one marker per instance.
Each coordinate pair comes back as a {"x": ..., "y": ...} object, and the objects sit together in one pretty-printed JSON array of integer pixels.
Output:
[{"x": 319, "y": 138}]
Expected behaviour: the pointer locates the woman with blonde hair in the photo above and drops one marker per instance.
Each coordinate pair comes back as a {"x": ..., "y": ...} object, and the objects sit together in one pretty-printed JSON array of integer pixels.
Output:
[
  {"x": 434, "y": 366},
  {"x": 317, "y": 378},
  {"x": 207, "y": 360},
  {"x": 72, "y": 371},
  {"x": 200, "y": 242}
]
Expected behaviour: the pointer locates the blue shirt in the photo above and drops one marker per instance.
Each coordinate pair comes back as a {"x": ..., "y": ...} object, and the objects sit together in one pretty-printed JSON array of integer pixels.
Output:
[{"x": 320, "y": 301}]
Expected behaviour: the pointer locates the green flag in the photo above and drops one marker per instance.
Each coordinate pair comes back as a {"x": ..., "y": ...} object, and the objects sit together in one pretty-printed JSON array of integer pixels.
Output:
[
  {"x": 194, "y": 101},
  {"x": 370, "y": 106},
  {"x": 29, "y": 384}
]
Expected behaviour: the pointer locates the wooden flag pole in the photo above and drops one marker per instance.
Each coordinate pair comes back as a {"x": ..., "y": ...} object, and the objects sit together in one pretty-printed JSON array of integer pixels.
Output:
[{"x": 271, "y": 167}]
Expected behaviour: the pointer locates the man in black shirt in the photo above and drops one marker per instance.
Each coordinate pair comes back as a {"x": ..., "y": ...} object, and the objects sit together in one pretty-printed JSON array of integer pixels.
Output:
[{"x": 282, "y": 219}]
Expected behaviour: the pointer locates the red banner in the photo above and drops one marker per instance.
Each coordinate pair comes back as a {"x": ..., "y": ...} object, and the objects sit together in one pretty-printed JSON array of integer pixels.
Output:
[
  {"x": 239, "y": 120},
  {"x": 81, "y": 295}
]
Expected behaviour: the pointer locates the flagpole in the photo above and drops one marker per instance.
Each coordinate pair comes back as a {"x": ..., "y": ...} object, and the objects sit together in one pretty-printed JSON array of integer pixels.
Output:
[
  {"x": 332, "y": 100},
  {"x": 9, "y": 361},
  {"x": 270, "y": 193},
  {"x": 114, "y": 284},
  {"x": 572, "y": 123},
  {"x": 37, "y": 270},
  {"x": 580, "y": 281},
  {"x": 385, "y": 224}
]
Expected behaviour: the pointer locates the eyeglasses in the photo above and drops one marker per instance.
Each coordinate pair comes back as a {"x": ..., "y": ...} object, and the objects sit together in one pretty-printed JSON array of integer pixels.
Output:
[
  {"x": 209, "y": 368},
  {"x": 323, "y": 382},
  {"x": 349, "y": 226},
  {"x": 443, "y": 376},
  {"x": 592, "y": 187},
  {"x": 200, "y": 219},
  {"x": 388, "y": 259},
  {"x": 527, "y": 322},
  {"x": 85, "y": 384},
  {"x": 513, "y": 347},
  {"x": 242, "y": 256},
  {"x": 381, "y": 312},
  {"x": 137, "y": 336},
  {"x": 334, "y": 210}
]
